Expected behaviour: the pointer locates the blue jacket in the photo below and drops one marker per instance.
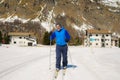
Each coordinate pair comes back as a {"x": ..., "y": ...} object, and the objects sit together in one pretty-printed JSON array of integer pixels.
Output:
[{"x": 62, "y": 36}]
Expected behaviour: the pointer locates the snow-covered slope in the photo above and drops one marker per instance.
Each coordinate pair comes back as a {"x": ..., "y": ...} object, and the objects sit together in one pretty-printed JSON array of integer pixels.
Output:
[
  {"x": 112, "y": 3},
  {"x": 32, "y": 63}
]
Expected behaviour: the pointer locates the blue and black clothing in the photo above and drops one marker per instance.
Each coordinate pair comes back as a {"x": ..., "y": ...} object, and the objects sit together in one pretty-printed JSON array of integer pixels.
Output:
[{"x": 62, "y": 37}]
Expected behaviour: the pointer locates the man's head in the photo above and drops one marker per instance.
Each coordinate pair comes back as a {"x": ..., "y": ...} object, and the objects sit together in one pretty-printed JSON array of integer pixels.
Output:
[{"x": 58, "y": 26}]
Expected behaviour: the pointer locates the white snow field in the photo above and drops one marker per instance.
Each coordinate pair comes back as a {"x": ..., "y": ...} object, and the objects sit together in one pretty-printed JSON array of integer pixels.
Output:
[{"x": 32, "y": 63}]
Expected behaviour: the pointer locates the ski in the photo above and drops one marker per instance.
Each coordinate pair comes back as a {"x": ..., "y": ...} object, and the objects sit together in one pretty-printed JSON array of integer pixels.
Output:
[
  {"x": 55, "y": 74},
  {"x": 64, "y": 71}
]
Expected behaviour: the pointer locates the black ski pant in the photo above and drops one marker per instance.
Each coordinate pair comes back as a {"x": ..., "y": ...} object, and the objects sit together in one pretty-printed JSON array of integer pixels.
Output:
[{"x": 61, "y": 53}]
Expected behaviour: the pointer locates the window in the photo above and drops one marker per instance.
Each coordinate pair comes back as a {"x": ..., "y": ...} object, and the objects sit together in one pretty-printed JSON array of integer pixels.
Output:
[
  {"x": 106, "y": 34},
  {"x": 116, "y": 41},
  {"x": 103, "y": 36},
  {"x": 106, "y": 43},
  {"x": 90, "y": 43},
  {"x": 96, "y": 34},
  {"x": 29, "y": 35},
  {"x": 96, "y": 43},
  {"x": 14, "y": 42},
  {"x": 102, "y": 40},
  {"x": 20, "y": 37},
  {"x": 106, "y": 39},
  {"x": 90, "y": 35},
  {"x": 97, "y": 39},
  {"x": 103, "y": 45}
]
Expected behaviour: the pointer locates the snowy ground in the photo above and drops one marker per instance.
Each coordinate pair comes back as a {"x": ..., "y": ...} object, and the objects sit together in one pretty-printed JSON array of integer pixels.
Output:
[{"x": 32, "y": 63}]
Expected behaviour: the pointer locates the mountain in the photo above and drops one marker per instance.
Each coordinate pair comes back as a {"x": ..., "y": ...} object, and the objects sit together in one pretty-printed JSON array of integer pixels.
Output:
[{"x": 76, "y": 15}]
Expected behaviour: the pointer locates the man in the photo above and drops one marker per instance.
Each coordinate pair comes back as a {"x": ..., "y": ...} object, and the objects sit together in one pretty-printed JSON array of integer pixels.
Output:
[{"x": 62, "y": 37}]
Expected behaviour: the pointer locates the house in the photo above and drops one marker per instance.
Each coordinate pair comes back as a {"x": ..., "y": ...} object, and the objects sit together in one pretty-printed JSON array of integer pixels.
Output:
[
  {"x": 115, "y": 41},
  {"x": 22, "y": 39},
  {"x": 98, "y": 38}
]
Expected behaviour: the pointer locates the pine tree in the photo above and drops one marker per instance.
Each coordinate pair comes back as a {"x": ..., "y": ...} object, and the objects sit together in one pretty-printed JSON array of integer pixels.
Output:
[
  {"x": 0, "y": 37},
  {"x": 119, "y": 42},
  {"x": 78, "y": 41},
  {"x": 46, "y": 38},
  {"x": 6, "y": 39}
]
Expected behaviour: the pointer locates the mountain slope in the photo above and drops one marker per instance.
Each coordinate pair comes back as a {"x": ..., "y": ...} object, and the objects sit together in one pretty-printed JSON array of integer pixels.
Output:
[{"x": 76, "y": 15}]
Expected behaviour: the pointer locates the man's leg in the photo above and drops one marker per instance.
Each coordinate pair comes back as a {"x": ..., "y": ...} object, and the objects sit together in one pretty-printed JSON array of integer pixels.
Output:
[
  {"x": 64, "y": 54},
  {"x": 58, "y": 57}
]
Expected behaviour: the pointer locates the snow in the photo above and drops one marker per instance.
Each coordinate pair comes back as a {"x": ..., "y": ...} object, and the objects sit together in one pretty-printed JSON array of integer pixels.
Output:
[
  {"x": 75, "y": 27},
  {"x": 86, "y": 26},
  {"x": 36, "y": 20},
  {"x": 84, "y": 18},
  {"x": 2, "y": 19},
  {"x": 92, "y": 0},
  {"x": 12, "y": 18},
  {"x": 63, "y": 14},
  {"x": 114, "y": 10},
  {"x": 47, "y": 26},
  {"x": 75, "y": 2},
  {"x": 83, "y": 27},
  {"x": 20, "y": 2},
  {"x": 39, "y": 13},
  {"x": 85, "y": 63},
  {"x": 2, "y": 1},
  {"x": 112, "y": 3}
]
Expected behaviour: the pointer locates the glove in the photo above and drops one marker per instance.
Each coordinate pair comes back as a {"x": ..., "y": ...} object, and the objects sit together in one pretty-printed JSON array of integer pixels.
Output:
[
  {"x": 51, "y": 32},
  {"x": 66, "y": 40}
]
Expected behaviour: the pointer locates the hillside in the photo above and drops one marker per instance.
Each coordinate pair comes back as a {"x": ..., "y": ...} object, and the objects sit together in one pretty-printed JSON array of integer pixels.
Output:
[{"x": 76, "y": 15}]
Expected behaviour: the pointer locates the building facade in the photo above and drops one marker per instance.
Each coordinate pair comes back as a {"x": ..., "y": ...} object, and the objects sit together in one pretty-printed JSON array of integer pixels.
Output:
[
  {"x": 98, "y": 38},
  {"x": 115, "y": 41},
  {"x": 22, "y": 39}
]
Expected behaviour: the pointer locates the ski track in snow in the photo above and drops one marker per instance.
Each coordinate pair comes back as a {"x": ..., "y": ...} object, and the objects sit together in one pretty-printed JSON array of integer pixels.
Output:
[
  {"x": 16, "y": 67},
  {"x": 32, "y": 63}
]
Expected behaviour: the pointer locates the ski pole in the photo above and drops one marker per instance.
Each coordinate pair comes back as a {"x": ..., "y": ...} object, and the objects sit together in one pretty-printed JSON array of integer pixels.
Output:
[
  {"x": 50, "y": 57},
  {"x": 70, "y": 55},
  {"x": 50, "y": 51}
]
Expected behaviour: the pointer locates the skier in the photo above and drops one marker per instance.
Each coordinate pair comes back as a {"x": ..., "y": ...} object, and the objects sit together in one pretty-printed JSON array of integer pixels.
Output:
[{"x": 62, "y": 37}]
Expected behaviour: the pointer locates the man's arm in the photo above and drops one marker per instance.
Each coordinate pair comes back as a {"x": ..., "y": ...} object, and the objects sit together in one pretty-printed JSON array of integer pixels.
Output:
[
  {"x": 67, "y": 36},
  {"x": 52, "y": 36}
]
